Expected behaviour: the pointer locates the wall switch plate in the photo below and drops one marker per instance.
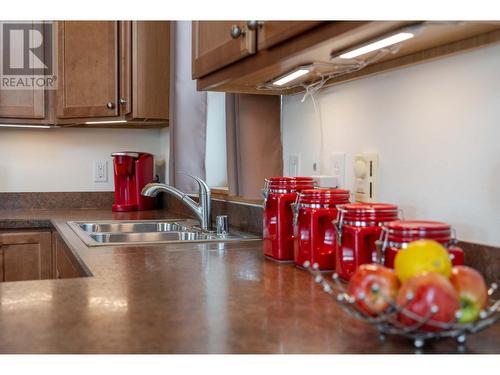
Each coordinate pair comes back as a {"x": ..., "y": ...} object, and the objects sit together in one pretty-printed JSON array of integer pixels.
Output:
[
  {"x": 365, "y": 178},
  {"x": 293, "y": 164},
  {"x": 337, "y": 167},
  {"x": 100, "y": 171}
]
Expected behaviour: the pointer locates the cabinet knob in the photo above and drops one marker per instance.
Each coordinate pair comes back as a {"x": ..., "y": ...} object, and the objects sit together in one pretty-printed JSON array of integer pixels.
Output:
[
  {"x": 254, "y": 25},
  {"x": 110, "y": 105},
  {"x": 236, "y": 32},
  {"x": 123, "y": 101}
]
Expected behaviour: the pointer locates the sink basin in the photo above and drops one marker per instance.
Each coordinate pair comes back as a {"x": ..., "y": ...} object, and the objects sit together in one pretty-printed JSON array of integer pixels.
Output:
[
  {"x": 114, "y": 232},
  {"x": 148, "y": 237},
  {"x": 127, "y": 227}
]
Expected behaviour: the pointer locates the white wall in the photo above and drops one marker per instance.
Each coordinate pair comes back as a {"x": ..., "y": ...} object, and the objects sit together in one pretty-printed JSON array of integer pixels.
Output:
[
  {"x": 215, "y": 151},
  {"x": 436, "y": 128},
  {"x": 40, "y": 160}
]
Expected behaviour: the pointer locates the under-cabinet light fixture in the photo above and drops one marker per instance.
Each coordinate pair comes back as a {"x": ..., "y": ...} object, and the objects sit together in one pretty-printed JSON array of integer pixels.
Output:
[
  {"x": 105, "y": 122},
  {"x": 393, "y": 39},
  {"x": 290, "y": 77},
  {"x": 25, "y": 126}
]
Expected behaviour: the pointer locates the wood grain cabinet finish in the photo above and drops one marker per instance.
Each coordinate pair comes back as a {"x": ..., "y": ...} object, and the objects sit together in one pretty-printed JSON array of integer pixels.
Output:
[
  {"x": 106, "y": 71},
  {"x": 22, "y": 104},
  {"x": 63, "y": 264},
  {"x": 270, "y": 33},
  {"x": 283, "y": 46},
  {"x": 25, "y": 255},
  {"x": 87, "y": 69},
  {"x": 219, "y": 43},
  {"x": 121, "y": 71}
]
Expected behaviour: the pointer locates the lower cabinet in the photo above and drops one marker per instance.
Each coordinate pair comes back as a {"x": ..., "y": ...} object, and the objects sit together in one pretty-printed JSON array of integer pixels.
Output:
[
  {"x": 35, "y": 254},
  {"x": 64, "y": 266},
  {"x": 25, "y": 255}
]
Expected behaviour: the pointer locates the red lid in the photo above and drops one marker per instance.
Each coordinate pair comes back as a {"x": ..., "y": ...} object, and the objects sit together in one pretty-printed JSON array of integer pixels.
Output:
[
  {"x": 324, "y": 196},
  {"x": 370, "y": 212},
  {"x": 288, "y": 184},
  {"x": 407, "y": 231}
]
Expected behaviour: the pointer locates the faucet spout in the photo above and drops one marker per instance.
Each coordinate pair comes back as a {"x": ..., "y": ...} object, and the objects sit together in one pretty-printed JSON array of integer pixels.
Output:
[{"x": 201, "y": 209}]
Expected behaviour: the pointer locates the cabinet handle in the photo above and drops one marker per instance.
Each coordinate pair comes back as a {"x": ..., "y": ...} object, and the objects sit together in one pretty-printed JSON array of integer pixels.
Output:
[
  {"x": 110, "y": 105},
  {"x": 254, "y": 25},
  {"x": 123, "y": 101},
  {"x": 236, "y": 32}
]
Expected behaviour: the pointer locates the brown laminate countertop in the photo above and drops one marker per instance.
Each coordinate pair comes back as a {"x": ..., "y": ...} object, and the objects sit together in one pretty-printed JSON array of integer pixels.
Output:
[{"x": 183, "y": 298}]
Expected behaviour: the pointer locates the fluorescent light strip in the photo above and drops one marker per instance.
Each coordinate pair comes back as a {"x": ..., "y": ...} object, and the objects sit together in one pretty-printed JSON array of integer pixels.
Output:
[
  {"x": 290, "y": 77},
  {"x": 25, "y": 126},
  {"x": 105, "y": 122},
  {"x": 377, "y": 45}
]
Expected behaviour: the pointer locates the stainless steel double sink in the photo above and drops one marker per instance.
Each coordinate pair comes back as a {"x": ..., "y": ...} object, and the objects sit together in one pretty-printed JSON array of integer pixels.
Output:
[{"x": 113, "y": 232}]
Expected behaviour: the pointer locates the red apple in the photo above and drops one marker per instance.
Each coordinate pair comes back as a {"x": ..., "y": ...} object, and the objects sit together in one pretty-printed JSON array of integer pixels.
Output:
[
  {"x": 374, "y": 286},
  {"x": 424, "y": 293},
  {"x": 472, "y": 291}
]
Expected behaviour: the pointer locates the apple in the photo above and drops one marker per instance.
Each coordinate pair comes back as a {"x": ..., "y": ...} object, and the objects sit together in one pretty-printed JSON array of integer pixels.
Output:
[
  {"x": 424, "y": 293},
  {"x": 472, "y": 292},
  {"x": 374, "y": 287}
]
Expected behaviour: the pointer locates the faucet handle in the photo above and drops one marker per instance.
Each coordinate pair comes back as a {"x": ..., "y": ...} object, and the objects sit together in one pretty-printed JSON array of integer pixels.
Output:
[
  {"x": 222, "y": 224},
  {"x": 202, "y": 185}
]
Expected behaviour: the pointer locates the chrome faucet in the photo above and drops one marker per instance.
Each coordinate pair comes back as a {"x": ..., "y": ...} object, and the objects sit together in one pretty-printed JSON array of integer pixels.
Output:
[{"x": 201, "y": 209}]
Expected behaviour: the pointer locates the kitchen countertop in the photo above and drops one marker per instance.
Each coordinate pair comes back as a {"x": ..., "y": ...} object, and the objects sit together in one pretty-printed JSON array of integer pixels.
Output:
[{"x": 183, "y": 298}]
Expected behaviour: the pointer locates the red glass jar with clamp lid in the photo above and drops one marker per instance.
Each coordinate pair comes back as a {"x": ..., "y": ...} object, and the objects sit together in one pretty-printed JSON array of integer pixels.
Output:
[
  {"x": 358, "y": 227},
  {"x": 314, "y": 231},
  {"x": 397, "y": 235},
  {"x": 279, "y": 195}
]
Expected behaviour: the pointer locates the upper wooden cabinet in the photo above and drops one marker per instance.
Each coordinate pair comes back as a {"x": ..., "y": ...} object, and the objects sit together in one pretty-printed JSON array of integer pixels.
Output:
[
  {"x": 88, "y": 69},
  {"x": 108, "y": 72},
  {"x": 272, "y": 33},
  {"x": 283, "y": 47},
  {"x": 22, "y": 104},
  {"x": 219, "y": 43}
]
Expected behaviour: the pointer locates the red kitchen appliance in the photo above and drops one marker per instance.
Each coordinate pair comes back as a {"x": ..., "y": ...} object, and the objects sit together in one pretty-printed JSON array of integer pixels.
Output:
[
  {"x": 279, "y": 195},
  {"x": 397, "y": 234},
  {"x": 314, "y": 230},
  {"x": 132, "y": 171},
  {"x": 358, "y": 227}
]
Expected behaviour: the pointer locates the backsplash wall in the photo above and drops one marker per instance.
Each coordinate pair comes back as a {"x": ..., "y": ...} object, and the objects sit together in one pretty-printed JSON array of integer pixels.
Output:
[
  {"x": 435, "y": 127},
  {"x": 61, "y": 160}
]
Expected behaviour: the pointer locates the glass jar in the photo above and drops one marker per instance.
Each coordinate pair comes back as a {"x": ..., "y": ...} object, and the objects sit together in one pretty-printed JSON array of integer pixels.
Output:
[
  {"x": 358, "y": 227},
  {"x": 279, "y": 195},
  {"x": 397, "y": 235},
  {"x": 314, "y": 230}
]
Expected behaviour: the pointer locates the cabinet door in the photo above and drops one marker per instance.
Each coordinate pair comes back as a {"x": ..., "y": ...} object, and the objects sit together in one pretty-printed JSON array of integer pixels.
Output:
[
  {"x": 151, "y": 69},
  {"x": 87, "y": 69},
  {"x": 271, "y": 33},
  {"x": 26, "y": 104},
  {"x": 26, "y": 255},
  {"x": 214, "y": 47},
  {"x": 63, "y": 266}
]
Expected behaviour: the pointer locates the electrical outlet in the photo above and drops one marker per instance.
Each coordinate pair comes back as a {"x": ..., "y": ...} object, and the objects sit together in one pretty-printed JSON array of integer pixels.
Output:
[
  {"x": 100, "y": 171},
  {"x": 365, "y": 174},
  {"x": 293, "y": 164},
  {"x": 337, "y": 167}
]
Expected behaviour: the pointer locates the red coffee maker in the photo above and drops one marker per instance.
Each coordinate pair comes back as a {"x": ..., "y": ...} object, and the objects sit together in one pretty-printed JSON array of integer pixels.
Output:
[{"x": 132, "y": 171}]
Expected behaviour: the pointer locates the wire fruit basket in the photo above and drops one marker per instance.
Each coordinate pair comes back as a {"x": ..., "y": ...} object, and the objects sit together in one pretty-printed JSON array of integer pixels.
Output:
[{"x": 387, "y": 322}]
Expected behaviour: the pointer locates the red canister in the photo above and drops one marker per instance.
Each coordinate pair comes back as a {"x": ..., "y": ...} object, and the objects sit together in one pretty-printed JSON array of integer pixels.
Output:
[
  {"x": 358, "y": 227},
  {"x": 314, "y": 229},
  {"x": 397, "y": 234},
  {"x": 279, "y": 195}
]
